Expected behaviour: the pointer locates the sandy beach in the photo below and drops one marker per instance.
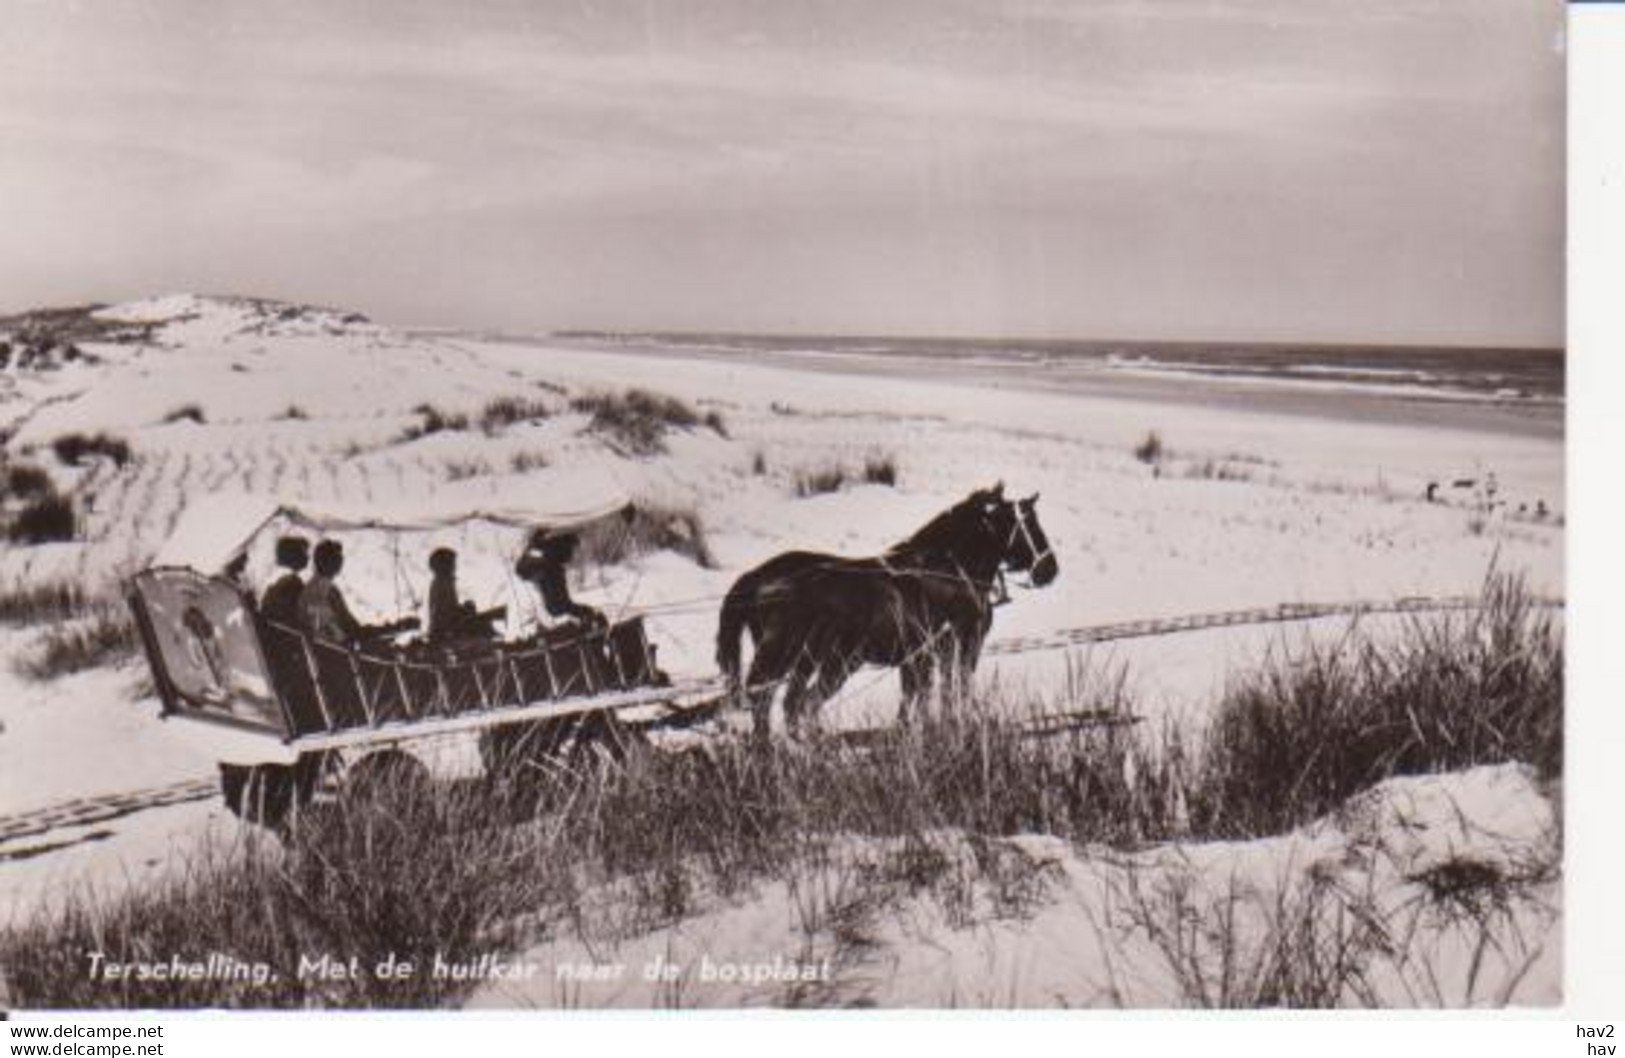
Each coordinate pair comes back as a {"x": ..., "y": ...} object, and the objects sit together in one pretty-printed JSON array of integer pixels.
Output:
[{"x": 1412, "y": 406}]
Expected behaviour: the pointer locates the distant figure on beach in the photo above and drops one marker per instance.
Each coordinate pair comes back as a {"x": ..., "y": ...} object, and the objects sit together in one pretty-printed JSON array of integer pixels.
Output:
[
  {"x": 544, "y": 565},
  {"x": 281, "y": 600},
  {"x": 1433, "y": 492}
]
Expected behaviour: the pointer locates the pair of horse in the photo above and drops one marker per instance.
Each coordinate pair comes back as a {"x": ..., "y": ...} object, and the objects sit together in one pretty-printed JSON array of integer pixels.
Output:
[{"x": 924, "y": 607}]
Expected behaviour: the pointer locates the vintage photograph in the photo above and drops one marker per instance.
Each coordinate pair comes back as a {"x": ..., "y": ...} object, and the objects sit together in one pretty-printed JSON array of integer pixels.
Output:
[{"x": 910, "y": 504}]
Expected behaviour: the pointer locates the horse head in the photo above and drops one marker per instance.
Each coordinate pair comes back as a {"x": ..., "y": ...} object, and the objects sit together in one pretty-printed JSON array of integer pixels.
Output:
[
  {"x": 1023, "y": 546},
  {"x": 988, "y": 531},
  {"x": 1036, "y": 551},
  {"x": 1006, "y": 532}
]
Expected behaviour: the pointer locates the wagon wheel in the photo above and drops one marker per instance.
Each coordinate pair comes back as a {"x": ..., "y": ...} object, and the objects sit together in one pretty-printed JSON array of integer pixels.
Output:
[
  {"x": 282, "y": 798},
  {"x": 507, "y": 751},
  {"x": 385, "y": 773},
  {"x": 554, "y": 756},
  {"x": 272, "y": 795},
  {"x": 261, "y": 794},
  {"x": 604, "y": 740}
]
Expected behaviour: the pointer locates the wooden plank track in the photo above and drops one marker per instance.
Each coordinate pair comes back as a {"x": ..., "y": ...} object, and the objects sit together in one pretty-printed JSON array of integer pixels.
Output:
[
  {"x": 84, "y": 811},
  {"x": 1066, "y": 638}
]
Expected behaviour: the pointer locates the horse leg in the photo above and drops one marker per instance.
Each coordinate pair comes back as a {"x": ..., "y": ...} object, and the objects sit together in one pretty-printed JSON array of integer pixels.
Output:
[
  {"x": 773, "y": 661},
  {"x": 960, "y": 655},
  {"x": 951, "y": 661},
  {"x": 795, "y": 694},
  {"x": 833, "y": 671},
  {"x": 916, "y": 675},
  {"x": 757, "y": 694}
]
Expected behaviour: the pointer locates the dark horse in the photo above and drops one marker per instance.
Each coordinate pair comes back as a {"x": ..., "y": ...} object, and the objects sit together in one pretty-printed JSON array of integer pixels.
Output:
[{"x": 923, "y": 606}]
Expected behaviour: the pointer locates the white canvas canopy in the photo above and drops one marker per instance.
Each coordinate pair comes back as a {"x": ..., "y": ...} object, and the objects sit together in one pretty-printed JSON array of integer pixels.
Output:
[{"x": 216, "y": 528}]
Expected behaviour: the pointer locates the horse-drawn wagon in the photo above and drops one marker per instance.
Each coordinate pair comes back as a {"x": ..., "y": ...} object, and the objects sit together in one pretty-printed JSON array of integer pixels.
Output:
[{"x": 291, "y": 714}]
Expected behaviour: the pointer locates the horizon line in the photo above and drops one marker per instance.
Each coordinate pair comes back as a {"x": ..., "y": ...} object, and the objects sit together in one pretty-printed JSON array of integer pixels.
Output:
[{"x": 608, "y": 333}]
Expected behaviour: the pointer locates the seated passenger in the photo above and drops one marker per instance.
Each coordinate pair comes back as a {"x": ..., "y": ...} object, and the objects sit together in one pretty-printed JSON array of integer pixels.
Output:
[
  {"x": 451, "y": 619},
  {"x": 544, "y": 564},
  {"x": 281, "y": 600},
  {"x": 322, "y": 610}
]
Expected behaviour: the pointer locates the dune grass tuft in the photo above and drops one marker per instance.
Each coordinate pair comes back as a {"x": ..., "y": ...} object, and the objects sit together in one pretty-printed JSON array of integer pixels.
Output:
[
  {"x": 73, "y": 448},
  {"x": 186, "y": 413},
  {"x": 399, "y": 875},
  {"x": 502, "y": 412},
  {"x": 526, "y": 461},
  {"x": 47, "y": 519},
  {"x": 105, "y": 638},
  {"x": 431, "y": 420},
  {"x": 877, "y": 469},
  {"x": 816, "y": 481},
  {"x": 1296, "y": 737},
  {"x": 880, "y": 469},
  {"x": 25, "y": 480},
  {"x": 1149, "y": 450},
  {"x": 651, "y": 527},
  {"x": 464, "y": 469},
  {"x": 637, "y": 420},
  {"x": 46, "y": 602}
]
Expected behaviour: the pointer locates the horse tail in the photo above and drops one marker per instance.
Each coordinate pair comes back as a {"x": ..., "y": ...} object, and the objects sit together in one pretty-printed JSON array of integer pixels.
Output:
[{"x": 736, "y": 607}]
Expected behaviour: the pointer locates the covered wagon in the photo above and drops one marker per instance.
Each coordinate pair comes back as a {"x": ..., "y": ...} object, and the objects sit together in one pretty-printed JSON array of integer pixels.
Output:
[{"x": 289, "y": 713}]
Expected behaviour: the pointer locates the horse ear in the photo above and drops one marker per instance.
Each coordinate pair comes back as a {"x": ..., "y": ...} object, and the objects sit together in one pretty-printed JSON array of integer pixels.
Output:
[
  {"x": 1030, "y": 500},
  {"x": 998, "y": 490}
]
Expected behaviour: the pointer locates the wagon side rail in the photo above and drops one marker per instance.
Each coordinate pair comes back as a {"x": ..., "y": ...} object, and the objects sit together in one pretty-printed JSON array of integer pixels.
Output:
[
  {"x": 338, "y": 695},
  {"x": 387, "y": 732}
]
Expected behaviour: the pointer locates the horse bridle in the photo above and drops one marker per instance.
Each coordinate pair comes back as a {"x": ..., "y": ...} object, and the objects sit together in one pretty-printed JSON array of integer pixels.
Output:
[
  {"x": 1021, "y": 528},
  {"x": 998, "y": 590}
]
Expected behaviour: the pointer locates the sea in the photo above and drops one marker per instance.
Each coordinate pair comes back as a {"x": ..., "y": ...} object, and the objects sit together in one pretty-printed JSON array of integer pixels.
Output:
[{"x": 1521, "y": 390}]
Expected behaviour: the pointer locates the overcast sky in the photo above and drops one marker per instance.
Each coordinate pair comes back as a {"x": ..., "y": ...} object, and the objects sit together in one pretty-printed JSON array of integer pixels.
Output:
[{"x": 1389, "y": 170}]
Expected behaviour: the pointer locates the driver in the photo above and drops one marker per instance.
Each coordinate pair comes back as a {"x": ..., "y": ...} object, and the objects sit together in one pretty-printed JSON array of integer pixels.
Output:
[{"x": 543, "y": 564}]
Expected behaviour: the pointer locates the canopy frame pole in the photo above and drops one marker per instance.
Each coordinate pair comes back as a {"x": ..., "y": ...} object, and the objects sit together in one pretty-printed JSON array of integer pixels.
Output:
[
  {"x": 368, "y": 713},
  {"x": 445, "y": 692},
  {"x": 316, "y": 681},
  {"x": 518, "y": 680},
  {"x": 552, "y": 673},
  {"x": 408, "y": 706},
  {"x": 587, "y": 671},
  {"x": 479, "y": 685}
]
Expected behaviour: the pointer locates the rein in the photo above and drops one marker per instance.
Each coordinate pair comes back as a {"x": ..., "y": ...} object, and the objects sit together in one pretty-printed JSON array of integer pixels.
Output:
[{"x": 991, "y": 584}]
